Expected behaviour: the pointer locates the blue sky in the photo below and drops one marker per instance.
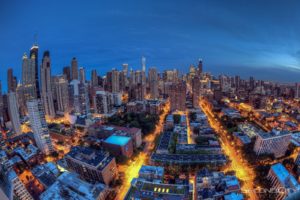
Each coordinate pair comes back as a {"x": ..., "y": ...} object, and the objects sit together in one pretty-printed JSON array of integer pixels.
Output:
[{"x": 258, "y": 38}]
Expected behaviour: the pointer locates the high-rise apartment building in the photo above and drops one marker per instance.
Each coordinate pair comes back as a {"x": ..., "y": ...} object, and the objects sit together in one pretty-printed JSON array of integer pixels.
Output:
[
  {"x": 39, "y": 125},
  {"x": 275, "y": 142},
  {"x": 82, "y": 74},
  {"x": 103, "y": 102},
  {"x": 67, "y": 73},
  {"x": 178, "y": 96},
  {"x": 79, "y": 97},
  {"x": 14, "y": 113},
  {"x": 94, "y": 78},
  {"x": 61, "y": 94},
  {"x": 153, "y": 83}
]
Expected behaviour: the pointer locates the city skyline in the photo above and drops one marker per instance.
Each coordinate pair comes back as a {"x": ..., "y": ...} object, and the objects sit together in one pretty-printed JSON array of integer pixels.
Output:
[{"x": 250, "y": 39}]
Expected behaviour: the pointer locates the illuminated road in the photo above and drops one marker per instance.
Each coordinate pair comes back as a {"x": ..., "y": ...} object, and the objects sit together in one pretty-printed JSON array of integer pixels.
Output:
[
  {"x": 132, "y": 168},
  {"x": 243, "y": 171}
]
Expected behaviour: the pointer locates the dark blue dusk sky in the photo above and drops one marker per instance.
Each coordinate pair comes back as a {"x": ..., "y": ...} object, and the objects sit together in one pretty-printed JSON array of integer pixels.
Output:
[{"x": 259, "y": 37}]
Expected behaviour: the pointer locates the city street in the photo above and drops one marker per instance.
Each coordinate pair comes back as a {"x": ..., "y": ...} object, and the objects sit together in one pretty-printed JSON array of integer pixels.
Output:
[
  {"x": 239, "y": 165},
  {"x": 131, "y": 169}
]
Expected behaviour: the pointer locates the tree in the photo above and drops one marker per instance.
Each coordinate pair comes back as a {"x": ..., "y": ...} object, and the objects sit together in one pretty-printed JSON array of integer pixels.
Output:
[{"x": 176, "y": 118}]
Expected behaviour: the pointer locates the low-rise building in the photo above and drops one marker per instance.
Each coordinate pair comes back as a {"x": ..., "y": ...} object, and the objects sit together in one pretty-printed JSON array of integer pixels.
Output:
[
  {"x": 92, "y": 165},
  {"x": 216, "y": 185},
  {"x": 46, "y": 173},
  {"x": 151, "y": 173},
  {"x": 70, "y": 186},
  {"x": 119, "y": 145},
  {"x": 143, "y": 189}
]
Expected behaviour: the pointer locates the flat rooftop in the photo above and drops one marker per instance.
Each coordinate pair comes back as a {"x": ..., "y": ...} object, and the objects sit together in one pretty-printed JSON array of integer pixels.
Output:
[
  {"x": 152, "y": 169},
  {"x": 118, "y": 140},
  {"x": 96, "y": 158}
]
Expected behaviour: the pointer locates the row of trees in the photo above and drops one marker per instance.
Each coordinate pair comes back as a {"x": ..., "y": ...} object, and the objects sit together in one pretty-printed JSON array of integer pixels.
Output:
[{"x": 144, "y": 121}]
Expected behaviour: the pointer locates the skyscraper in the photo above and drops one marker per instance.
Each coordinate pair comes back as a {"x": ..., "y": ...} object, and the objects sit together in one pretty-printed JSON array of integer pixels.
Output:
[
  {"x": 125, "y": 69},
  {"x": 196, "y": 91},
  {"x": 67, "y": 73},
  {"x": 115, "y": 81},
  {"x": 14, "y": 113},
  {"x": 200, "y": 67},
  {"x": 10, "y": 81},
  {"x": 79, "y": 97},
  {"x": 39, "y": 125},
  {"x": 28, "y": 77},
  {"x": 34, "y": 54},
  {"x": 143, "y": 63},
  {"x": 94, "y": 78},
  {"x": 74, "y": 69},
  {"x": 47, "y": 96},
  {"x": 82, "y": 74},
  {"x": 178, "y": 96},
  {"x": 153, "y": 83},
  {"x": 61, "y": 94}
]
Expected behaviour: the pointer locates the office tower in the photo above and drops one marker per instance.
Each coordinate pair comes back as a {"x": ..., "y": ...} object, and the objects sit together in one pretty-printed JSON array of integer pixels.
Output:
[
  {"x": 94, "y": 78},
  {"x": 67, "y": 73},
  {"x": 39, "y": 125},
  {"x": 13, "y": 112},
  {"x": 200, "y": 67},
  {"x": 275, "y": 142},
  {"x": 28, "y": 77},
  {"x": 103, "y": 102},
  {"x": 178, "y": 96},
  {"x": 74, "y": 69},
  {"x": 196, "y": 91},
  {"x": 92, "y": 165},
  {"x": 46, "y": 92},
  {"x": 82, "y": 74},
  {"x": 34, "y": 55},
  {"x": 297, "y": 90},
  {"x": 125, "y": 69},
  {"x": 10, "y": 81},
  {"x": 153, "y": 83},
  {"x": 143, "y": 63},
  {"x": 61, "y": 94},
  {"x": 79, "y": 97}
]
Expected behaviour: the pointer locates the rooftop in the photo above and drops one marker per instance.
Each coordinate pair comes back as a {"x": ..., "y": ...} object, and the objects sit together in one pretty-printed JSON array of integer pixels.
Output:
[
  {"x": 285, "y": 177},
  {"x": 69, "y": 186},
  {"x": 96, "y": 158},
  {"x": 152, "y": 169},
  {"x": 118, "y": 140}
]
